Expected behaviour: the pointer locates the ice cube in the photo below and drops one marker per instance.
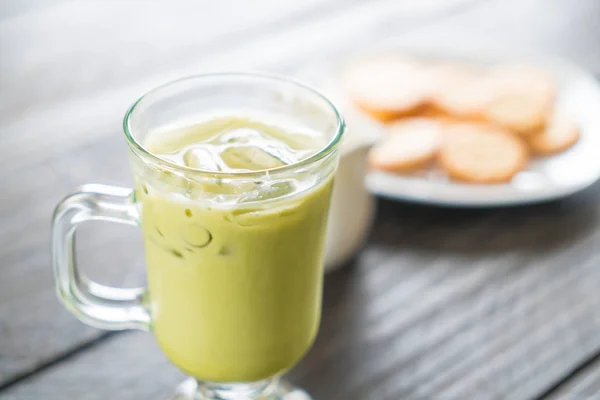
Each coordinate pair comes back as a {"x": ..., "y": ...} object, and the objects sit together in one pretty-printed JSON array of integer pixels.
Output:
[
  {"x": 298, "y": 141},
  {"x": 250, "y": 158},
  {"x": 200, "y": 158},
  {"x": 268, "y": 191}
]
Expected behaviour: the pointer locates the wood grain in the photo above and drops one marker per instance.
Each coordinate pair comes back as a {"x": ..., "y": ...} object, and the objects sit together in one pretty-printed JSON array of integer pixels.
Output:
[
  {"x": 585, "y": 384},
  {"x": 441, "y": 303},
  {"x": 134, "y": 355}
]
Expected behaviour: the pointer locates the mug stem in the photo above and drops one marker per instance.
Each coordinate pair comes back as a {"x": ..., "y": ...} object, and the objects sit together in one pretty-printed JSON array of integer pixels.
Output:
[{"x": 268, "y": 389}]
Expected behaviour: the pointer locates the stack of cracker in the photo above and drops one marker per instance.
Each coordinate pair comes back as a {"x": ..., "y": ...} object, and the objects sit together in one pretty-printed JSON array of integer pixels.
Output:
[{"x": 479, "y": 124}]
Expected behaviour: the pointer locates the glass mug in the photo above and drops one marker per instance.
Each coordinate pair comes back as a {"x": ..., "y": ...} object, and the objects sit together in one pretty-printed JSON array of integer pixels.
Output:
[{"x": 234, "y": 272}]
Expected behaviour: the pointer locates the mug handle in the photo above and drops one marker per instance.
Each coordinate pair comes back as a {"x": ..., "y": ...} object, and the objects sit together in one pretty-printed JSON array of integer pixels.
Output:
[{"x": 95, "y": 304}]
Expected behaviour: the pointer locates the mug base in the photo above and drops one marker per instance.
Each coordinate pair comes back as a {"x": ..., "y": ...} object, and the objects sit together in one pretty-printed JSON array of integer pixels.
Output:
[{"x": 190, "y": 389}]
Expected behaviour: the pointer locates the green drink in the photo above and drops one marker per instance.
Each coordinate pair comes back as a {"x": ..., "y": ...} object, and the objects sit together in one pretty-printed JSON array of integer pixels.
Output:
[{"x": 234, "y": 281}]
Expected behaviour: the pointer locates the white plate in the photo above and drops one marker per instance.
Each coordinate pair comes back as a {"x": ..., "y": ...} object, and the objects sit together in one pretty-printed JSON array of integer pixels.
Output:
[{"x": 545, "y": 178}]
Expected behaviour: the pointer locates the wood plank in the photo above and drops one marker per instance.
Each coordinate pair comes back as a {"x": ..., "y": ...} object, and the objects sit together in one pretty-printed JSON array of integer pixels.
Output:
[
  {"x": 405, "y": 359},
  {"x": 585, "y": 384},
  {"x": 70, "y": 48},
  {"x": 132, "y": 354}
]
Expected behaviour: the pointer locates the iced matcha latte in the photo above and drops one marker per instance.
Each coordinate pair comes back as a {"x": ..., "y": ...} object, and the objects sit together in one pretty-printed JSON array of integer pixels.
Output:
[{"x": 234, "y": 269}]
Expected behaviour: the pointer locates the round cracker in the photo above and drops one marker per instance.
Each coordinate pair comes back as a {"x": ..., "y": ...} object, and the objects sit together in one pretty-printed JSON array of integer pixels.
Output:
[
  {"x": 412, "y": 143},
  {"x": 523, "y": 100},
  {"x": 386, "y": 87},
  {"x": 560, "y": 134},
  {"x": 482, "y": 154},
  {"x": 459, "y": 90}
]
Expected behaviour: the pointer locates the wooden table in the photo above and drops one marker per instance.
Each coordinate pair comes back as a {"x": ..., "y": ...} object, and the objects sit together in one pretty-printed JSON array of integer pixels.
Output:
[{"x": 440, "y": 304}]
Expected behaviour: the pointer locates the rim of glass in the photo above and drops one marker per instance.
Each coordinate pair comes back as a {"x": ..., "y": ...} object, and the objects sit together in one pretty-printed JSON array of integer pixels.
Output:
[{"x": 322, "y": 153}]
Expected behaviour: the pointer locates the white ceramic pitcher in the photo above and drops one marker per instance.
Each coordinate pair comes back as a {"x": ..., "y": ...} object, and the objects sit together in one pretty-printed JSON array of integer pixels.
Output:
[{"x": 352, "y": 206}]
